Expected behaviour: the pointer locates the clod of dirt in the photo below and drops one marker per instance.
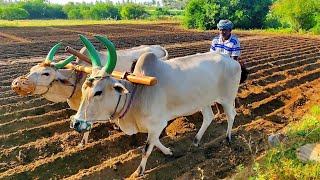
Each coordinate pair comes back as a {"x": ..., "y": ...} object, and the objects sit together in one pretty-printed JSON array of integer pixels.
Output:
[{"x": 179, "y": 126}]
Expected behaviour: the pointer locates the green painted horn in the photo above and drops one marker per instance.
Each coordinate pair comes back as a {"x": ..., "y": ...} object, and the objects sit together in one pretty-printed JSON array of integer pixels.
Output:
[
  {"x": 92, "y": 51},
  {"x": 65, "y": 62},
  {"x": 112, "y": 58},
  {"x": 53, "y": 51}
]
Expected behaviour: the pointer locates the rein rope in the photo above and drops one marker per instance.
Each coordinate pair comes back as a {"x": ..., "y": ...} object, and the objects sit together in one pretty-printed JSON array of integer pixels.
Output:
[
  {"x": 125, "y": 105},
  {"x": 48, "y": 88},
  {"x": 79, "y": 75}
]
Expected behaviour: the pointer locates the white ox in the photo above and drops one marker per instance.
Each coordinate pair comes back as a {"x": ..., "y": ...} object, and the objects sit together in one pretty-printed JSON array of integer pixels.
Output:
[
  {"x": 60, "y": 85},
  {"x": 185, "y": 85}
]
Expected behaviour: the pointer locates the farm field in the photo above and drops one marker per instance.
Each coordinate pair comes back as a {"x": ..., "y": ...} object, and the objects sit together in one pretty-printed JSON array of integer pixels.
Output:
[{"x": 37, "y": 143}]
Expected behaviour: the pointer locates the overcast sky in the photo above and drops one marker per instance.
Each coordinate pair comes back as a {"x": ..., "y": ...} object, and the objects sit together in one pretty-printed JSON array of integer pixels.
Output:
[{"x": 62, "y": 2}]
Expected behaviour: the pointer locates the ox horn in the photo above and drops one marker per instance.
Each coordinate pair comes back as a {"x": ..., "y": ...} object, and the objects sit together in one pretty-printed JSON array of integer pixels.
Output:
[
  {"x": 65, "y": 62},
  {"x": 92, "y": 51},
  {"x": 53, "y": 51},
  {"x": 112, "y": 58}
]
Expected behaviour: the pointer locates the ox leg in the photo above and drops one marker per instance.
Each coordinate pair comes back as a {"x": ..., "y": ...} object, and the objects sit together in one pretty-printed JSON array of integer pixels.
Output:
[
  {"x": 153, "y": 140},
  {"x": 85, "y": 138},
  {"x": 145, "y": 154},
  {"x": 207, "y": 118},
  {"x": 231, "y": 114}
]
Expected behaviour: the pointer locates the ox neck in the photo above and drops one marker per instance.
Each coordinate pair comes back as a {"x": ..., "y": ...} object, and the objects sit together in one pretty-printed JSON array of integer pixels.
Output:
[
  {"x": 125, "y": 101},
  {"x": 58, "y": 92}
]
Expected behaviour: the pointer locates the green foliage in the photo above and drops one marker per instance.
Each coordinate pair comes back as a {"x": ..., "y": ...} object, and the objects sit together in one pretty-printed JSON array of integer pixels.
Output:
[
  {"x": 204, "y": 14},
  {"x": 41, "y": 9},
  {"x": 55, "y": 11},
  {"x": 77, "y": 10},
  {"x": 104, "y": 11},
  {"x": 13, "y": 13},
  {"x": 74, "y": 14},
  {"x": 299, "y": 14},
  {"x": 36, "y": 8},
  {"x": 161, "y": 11},
  {"x": 198, "y": 14},
  {"x": 273, "y": 21},
  {"x": 281, "y": 162},
  {"x": 133, "y": 11}
]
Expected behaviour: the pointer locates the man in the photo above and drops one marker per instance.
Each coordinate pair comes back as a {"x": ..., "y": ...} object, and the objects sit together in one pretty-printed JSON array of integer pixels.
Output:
[{"x": 226, "y": 43}]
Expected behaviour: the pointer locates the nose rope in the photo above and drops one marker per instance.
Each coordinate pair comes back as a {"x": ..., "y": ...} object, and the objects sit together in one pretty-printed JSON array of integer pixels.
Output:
[
  {"x": 130, "y": 101},
  {"x": 124, "y": 104},
  {"x": 78, "y": 77},
  {"x": 48, "y": 88}
]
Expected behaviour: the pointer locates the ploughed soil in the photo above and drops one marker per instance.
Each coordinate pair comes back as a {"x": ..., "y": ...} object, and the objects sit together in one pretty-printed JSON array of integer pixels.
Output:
[{"x": 37, "y": 143}]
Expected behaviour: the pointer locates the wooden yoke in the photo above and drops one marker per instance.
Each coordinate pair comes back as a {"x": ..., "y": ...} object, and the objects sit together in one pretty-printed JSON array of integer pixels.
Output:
[{"x": 139, "y": 79}]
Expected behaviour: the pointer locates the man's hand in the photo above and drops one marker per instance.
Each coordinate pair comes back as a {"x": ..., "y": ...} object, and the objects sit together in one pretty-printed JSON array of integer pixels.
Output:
[{"x": 242, "y": 62}]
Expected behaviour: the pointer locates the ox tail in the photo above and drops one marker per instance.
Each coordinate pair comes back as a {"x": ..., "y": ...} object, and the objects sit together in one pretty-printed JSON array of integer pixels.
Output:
[
  {"x": 166, "y": 54},
  {"x": 133, "y": 65},
  {"x": 244, "y": 74}
]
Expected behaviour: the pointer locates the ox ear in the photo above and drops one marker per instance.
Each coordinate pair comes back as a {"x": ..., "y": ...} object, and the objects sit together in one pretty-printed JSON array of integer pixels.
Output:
[
  {"x": 119, "y": 88},
  {"x": 63, "y": 80}
]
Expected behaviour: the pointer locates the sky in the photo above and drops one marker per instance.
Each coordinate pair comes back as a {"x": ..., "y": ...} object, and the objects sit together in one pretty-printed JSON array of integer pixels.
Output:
[{"x": 62, "y": 2}]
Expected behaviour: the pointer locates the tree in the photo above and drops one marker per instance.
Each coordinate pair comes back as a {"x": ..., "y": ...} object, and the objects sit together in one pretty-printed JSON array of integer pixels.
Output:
[
  {"x": 104, "y": 11},
  {"x": 300, "y": 14},
  {"x": 54, "y": 11},
  {"x": 74, "y": 14},
  {"x": 204, "y": 14},
  {"x": 12, "y": 13},
  {"x": 133, "y": 11},
  {"x": 36, "y": 8}
]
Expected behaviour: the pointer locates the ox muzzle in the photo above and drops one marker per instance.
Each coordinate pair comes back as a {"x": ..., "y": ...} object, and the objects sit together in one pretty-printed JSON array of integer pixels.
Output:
[
  {"x": 80, "y": 126},
  {"x": 23, "y": 86}
]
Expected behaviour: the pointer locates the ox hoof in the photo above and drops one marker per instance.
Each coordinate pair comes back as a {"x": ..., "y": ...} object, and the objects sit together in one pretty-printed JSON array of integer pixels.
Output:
[
  {"x": 137, "y": 173},
  {"x": 168, "y": 152},
  {"x": 196, "y": 142},
  {"x": 228, "y": 140}
]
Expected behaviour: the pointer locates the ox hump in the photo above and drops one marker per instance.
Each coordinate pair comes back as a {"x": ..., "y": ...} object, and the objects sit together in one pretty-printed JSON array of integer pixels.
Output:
[{"x": 146, "y": 61}]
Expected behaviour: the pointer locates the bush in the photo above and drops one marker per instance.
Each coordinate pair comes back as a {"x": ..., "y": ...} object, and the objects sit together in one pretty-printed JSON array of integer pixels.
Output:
[
  {"x": 36, "y": 8},
  {"x": 204, "y": 14},
  {"x": 300, "y": 14},
  {"x": 199, "y": 15},
  {"x": 133, "y": 11},
  {"x": 104, "y": 11},
  {"x": 74, "y": 14},
  {"x": 273, "y": 21},
  {"x": 161, "y": 11},
  {"x": 13, "y": 13},
  {"x": 55, "y": 11},
  {"x": 316, "y": 28}
]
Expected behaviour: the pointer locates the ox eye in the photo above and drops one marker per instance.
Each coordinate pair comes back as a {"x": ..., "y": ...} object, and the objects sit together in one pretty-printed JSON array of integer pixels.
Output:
[
  {"x": 98, "y": 93},
  {"x": 45, "y": 74}
]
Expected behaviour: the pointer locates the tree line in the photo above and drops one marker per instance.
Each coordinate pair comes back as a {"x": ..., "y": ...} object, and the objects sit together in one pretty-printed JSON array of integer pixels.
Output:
[
  {"x": 297, "y": 15},
  {"x": 42, "y": 9}
]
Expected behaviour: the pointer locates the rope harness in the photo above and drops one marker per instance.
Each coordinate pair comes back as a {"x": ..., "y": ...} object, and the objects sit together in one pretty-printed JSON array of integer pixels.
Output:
[{"x": 126, "y": 106}]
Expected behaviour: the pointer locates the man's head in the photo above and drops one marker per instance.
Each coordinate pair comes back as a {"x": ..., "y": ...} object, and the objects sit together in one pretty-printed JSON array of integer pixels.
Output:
[{"x": 225, "y": 27}]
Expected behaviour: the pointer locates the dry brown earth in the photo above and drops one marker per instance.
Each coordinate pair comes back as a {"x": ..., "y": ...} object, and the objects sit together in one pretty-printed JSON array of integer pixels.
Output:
[{"x": 37, "y": 143}]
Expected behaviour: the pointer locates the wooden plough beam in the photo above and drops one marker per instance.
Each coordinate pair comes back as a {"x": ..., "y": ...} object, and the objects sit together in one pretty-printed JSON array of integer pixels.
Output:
[{"x": 139, "y": 79}]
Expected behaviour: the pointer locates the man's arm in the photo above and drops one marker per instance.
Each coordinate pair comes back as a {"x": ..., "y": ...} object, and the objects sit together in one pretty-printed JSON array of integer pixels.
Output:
[{"x": 242, "y": 62}]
